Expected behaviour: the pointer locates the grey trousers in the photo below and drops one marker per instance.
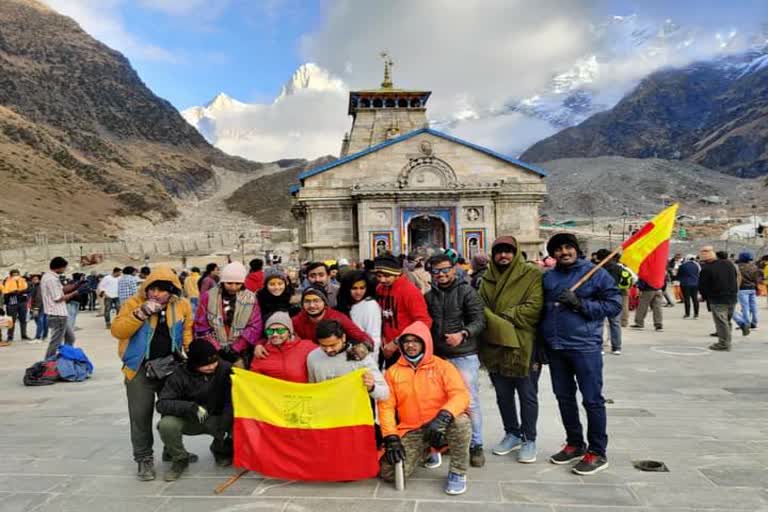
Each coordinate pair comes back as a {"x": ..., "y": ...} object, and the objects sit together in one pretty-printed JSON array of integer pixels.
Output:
[
  {"x": 722, "y": 314},
  {"x": 60, "y": 331},
  {"x": 141, "y": 393},
  {"x": 652, "y": 298}
]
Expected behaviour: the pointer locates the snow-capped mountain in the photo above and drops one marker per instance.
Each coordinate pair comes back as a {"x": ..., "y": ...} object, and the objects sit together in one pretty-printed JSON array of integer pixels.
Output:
[{"x": 310, "y": 76}]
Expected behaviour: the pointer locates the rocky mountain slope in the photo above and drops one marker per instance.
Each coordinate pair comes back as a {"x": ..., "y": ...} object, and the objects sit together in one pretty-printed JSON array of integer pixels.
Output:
[
  {"x": 711, "y": 113},
  {"x": 605, "y": 186},
  {"x": 82, "y": 140}
]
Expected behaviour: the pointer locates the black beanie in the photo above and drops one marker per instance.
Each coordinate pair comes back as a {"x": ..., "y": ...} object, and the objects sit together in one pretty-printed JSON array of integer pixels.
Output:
[
  {"x": 561, "y": 239},
  {"x": 388, "y": 264},
  {"x": 201, "y": 353},
  {"x": 314, "y": 289}
]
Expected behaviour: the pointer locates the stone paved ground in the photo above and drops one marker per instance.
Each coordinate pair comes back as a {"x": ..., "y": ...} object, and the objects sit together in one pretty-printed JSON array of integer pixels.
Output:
[{"x": 66, "y": 447}]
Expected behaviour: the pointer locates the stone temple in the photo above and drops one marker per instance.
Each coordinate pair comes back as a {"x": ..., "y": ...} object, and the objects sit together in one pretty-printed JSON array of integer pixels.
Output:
[{"x": 403, "y": 187}]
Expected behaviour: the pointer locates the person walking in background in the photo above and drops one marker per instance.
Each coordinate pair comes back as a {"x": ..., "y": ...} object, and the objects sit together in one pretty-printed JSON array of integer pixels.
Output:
[
  {"x": 55, "y": 297},
  {"x": 127, "y": 285},
  {"x": 618, "y": 273},
  {"x": 108, "y": 290},
  {"x": 74, "y": 304},
  {"x": 718, "y": 284},
  {"x": 649, "y": 297},
  {"x": 15, "y": 298},
  {"x": 191, "y": 291},
  {"x": 36, "y": 310},
  {"x": 750, "y": 278},
  {"x": 688, "y": 276}
]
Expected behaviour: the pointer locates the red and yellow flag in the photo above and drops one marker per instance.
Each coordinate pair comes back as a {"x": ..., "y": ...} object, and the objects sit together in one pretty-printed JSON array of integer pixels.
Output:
[
  {"x": 646, "y": 252},
  {"x": 296, "y": 431}
]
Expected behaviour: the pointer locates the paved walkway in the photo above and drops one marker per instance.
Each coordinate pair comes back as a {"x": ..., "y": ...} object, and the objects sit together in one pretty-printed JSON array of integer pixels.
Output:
[{"x": 66, "y": 447}]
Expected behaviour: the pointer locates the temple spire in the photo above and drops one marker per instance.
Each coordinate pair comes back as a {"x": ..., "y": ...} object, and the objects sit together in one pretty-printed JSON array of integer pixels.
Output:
[{"x": 387, "y": 83}]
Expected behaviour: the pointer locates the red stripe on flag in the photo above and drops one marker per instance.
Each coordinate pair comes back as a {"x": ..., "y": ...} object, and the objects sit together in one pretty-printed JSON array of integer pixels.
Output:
[
  {"x": 330, "y": 454},
  {"x": 653, "y": 269},
  {"x": 643, "y": 231}
]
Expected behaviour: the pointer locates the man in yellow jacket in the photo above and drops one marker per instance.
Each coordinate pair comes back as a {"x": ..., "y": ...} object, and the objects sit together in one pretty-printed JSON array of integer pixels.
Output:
[
  {"x": 153, "y": 328},
  {"x": 14, "y": 292},
  {"x": 191, "y": 291}
]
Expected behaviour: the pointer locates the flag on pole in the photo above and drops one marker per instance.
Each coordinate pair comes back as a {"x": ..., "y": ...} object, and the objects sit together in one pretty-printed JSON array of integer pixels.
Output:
[
  {"x": 294, "y": 431},
  {"x": 646, "y": 252}
]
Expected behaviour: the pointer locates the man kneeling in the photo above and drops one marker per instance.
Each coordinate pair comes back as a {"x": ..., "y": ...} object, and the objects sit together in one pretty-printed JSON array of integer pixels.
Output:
[
  {"x": 197, "y": 399},
  {"x": 430, "y": 400}
]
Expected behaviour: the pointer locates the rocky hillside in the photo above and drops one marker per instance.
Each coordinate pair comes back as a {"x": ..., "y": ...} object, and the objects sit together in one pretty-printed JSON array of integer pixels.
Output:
[
  {"x": 268, "y": 198},
  {"x": 82, "y": 139},
  {"x": 711, "y": 113},
  {"x": 605, "y": 186}
]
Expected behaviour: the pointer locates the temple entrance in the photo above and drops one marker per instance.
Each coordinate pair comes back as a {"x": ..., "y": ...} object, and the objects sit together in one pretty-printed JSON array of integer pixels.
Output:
[{"x": 426, "y": 235}]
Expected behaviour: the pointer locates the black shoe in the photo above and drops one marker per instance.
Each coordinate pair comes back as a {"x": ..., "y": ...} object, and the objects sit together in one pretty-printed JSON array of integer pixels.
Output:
[
  {"x": 636, "y": 326},
  {"x": 568, "y": 454},
  {"x": 26, "y": 338},
  {"x": 476, "y": 456},
  {"x": 177, "y": 468},
  {"x": 167, "y": 457},
  {"x": 686, "y": 316},
  {"x": 223, "y": 460},
  {"x": 744, "y": 330},
  {"x": 146, "y": 470},
  {"x": 659, "y": 328},
  {"x": 713, "y": 334},
  {"x": 222, "y": 450},
  {"x": 720, "y": 346},
  {"x": 695, "y": 317},
  {"x": 590, "y": 464},
  {"x": 753, "y": 326}
]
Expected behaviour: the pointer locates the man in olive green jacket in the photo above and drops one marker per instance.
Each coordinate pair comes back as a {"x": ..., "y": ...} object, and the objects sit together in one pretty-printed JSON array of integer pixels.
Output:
[{"x": 512, "y": 293}]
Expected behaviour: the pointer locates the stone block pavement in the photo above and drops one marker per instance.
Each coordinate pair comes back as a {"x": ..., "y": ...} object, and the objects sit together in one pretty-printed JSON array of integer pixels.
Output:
[{"x": 66, "y": 447}]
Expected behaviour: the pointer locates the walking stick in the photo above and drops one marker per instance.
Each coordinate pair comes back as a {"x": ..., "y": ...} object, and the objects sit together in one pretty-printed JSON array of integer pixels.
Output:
[
  {"x": 234, "y": 478},
  {"x": 586, "y": 277},
  {"x": 399, "y": 477}
]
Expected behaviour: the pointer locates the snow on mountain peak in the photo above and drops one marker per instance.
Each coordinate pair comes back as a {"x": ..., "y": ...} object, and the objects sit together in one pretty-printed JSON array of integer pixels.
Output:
[
  {"x": 310, "y": 76},
  {"x": 223, "y": 102}
]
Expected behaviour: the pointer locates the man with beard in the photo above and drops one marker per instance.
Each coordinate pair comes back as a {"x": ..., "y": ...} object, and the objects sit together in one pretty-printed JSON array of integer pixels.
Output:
[
  {"x": 572, "y": 328},
  {"x": 314, "y": 308},
  {"x": 319, "y": 275}
]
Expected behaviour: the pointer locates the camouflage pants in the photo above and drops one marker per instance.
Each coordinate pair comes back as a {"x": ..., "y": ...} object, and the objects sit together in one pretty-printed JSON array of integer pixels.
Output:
[{"x": 458, "y": 437}]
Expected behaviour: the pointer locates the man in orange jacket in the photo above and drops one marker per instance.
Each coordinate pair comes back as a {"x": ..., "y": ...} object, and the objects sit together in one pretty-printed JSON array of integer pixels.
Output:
[{"x": 429, "y": 399}]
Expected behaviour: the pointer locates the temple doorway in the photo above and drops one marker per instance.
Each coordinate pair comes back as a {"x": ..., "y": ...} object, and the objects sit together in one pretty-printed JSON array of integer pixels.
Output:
[{"x": 426, "y": 235}]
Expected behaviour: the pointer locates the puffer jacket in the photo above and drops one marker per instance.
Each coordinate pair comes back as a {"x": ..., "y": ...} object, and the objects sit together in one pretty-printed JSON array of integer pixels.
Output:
[
  {"x": 285, "y": 362},
  {"x": 688, "y": 274},
  {"x": 417, "y": 394},
  {"x": 565, "y": 329},
  {"x": 185, "y": 389},
  {"x": 401, "y": 305},
  {"x": 453, "y": 310},
  {"x": 134, "y": 336}
]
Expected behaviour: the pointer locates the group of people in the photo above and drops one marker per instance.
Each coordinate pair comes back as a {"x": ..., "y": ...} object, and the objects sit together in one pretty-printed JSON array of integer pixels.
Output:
[
  {"x": 179, "y": 336},
  {"x": 422, "y": 352}
]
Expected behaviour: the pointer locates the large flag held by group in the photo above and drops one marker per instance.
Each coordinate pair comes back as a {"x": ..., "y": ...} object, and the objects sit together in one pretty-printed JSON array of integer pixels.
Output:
[
  {"x": 293, "y": 431},
  {"x": 647, "y": 251}
]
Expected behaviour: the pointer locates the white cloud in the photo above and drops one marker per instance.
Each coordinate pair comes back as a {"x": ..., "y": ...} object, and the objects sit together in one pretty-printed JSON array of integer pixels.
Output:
[{"x": 102, "y": 20}]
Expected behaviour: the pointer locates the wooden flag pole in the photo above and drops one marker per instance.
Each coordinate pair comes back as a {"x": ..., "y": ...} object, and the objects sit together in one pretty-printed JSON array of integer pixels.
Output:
[
  {"x": 234, "y": 478},
  {"x": 586, "y": 277}
]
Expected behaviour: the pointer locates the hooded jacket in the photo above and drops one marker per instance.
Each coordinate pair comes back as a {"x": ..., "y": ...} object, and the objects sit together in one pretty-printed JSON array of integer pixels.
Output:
[
  {"x": 417, "y": 394},
  {"x": 190, "y": 286},
  {"x": 515, "y": 297},
  {"x": 285, "y": 362},
  {"x": 455, "y": 309},
  {"x": 254, "y": 281},
  {"x": 688, "y": 274},
  {"x": 566, "y": 329},
  {"x": 134, "y": 336},
  {"x": 186, "y": 389},
  {"x": 401, "y": 305}
]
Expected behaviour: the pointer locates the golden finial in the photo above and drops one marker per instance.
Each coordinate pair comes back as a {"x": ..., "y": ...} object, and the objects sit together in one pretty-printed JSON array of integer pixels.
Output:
[{"x": 387, "y": 83}]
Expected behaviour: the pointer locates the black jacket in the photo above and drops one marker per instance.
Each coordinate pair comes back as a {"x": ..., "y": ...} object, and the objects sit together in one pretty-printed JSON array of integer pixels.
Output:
[
  {"x": 718, "y": 282},
  {"x": 185, "y": 389},
  {"x": 454, "y": 309}
]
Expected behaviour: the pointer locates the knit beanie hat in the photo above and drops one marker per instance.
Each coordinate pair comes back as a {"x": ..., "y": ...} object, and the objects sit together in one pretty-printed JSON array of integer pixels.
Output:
[
  {"x": 502, "y": 241},
  {"x": 452, "y": 255},
  {"x": 387, "y": 264},
  {"x": 275, "y": 273},
  {"x": 234, "y": 272},
  {"x": 201, "y": 353},
  {"x": 561, "y": 239},
  {"x": 479, "y": 261},
  {"x": 314, "y": 290},
  {"x": 282, "y": 318}
]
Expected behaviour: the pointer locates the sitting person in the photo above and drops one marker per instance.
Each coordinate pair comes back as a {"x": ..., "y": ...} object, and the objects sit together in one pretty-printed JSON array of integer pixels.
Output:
[
  {"x": 338, "y": 355},
  {"x": 426, "y": 409},
  {"x": 197, "y": 399},
  {"x": 314, "y": 308},
  {"x": 229, "y": 316},
  {"x": 284, "y": 356}
]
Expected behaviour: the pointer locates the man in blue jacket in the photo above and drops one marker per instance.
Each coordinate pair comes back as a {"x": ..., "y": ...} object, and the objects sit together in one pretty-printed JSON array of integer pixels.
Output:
[{"x": 572, "y": 328}]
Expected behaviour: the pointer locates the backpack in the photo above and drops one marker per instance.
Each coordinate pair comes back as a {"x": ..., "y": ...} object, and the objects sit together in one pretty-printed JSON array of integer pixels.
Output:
[
  {"x": 624, "y": 280},
  {"x": 73, "y": 365},
  {"x": 42, "y": 373}
]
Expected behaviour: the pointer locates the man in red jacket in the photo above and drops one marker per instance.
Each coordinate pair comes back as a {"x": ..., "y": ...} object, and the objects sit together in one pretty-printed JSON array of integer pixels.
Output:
[
  {"x": 314, "y": 307},
  {"x": 401, "y": 305},
  {"x": 285, "y": 355}
]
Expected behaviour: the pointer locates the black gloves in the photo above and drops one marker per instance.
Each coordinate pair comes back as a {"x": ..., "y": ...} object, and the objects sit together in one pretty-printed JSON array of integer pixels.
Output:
[
  {"x": 569, "y": 299},
  {"x": 434, "y": 431},
  {"x": 394, "y": 451}
]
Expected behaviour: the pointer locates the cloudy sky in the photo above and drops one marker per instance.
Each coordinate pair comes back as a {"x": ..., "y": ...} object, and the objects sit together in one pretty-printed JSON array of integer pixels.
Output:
[{"x": 474, "y": 56}]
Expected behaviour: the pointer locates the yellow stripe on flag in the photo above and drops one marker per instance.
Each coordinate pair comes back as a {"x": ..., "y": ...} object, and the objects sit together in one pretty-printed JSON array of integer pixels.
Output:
[
  {"x": 638, "y": 250},
  {"x": 340, "y": 402}
]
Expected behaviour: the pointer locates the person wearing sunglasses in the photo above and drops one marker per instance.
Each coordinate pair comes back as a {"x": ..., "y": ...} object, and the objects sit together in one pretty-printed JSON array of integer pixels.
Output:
[
  {"x": 458, "y": 318},
  {"x": 285, "y": 355}
]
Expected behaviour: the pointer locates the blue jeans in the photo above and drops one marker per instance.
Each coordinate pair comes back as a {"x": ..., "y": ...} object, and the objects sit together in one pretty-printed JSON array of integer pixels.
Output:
[
  {"x": 569, "y": 368},
  {"x": 614, "y": 326},
  {"x": 72, "y": 309},
  {"x": 469, "y": 368},
  {"x": 194, "y": 302},
  {"x": 748, "y": 305},
  {"x": 41, "y": 326},
  {"x": 527, "y": 389}
]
